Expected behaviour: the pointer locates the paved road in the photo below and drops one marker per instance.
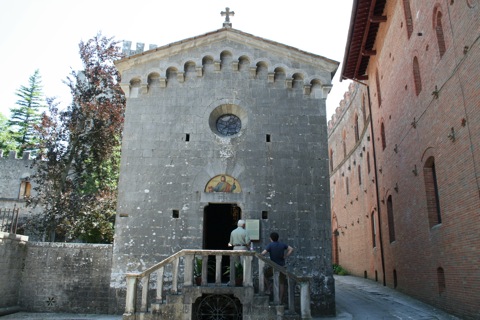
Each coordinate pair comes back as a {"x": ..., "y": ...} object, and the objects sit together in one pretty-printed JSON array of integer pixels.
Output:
[
  {"x": 356, "y": 298},
  {"x": 362, "y": 299}
]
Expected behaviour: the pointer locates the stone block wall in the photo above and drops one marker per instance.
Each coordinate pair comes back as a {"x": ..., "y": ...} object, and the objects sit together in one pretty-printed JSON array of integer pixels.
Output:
[
  {"x": 66, "y": 277},
  {"x": 172, "y": 148},
  {"x": 13, "y": 251},
  {"x": 13, "y": 171},
  {"x": 15, "y": 183}
]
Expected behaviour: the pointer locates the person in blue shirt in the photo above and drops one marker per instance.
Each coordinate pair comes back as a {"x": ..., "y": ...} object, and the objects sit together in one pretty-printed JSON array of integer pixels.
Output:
[{"x": 278, "y": 251}]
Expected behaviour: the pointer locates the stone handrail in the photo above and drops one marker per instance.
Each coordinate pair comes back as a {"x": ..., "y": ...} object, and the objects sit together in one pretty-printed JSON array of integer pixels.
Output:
[{"x": 188, "y": 264}]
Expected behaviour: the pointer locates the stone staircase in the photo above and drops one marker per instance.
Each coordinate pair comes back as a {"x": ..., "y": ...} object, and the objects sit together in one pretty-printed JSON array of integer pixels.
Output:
[{"x": 167, "y": 290}]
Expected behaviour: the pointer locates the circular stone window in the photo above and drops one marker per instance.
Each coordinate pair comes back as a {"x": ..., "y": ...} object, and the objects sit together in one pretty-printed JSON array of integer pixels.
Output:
[
  {"x": 229, "y": 125},
  {"x": 228, "y": 120}
]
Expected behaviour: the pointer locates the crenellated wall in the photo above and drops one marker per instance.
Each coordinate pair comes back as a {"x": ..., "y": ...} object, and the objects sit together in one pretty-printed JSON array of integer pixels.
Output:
[{"x": 13, "y": 172}]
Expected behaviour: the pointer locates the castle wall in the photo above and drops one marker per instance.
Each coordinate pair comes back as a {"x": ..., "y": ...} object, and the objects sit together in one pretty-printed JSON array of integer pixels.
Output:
[
  {"x": 13, "y": 170},
  {"x": 434, "y": 261},
  {"x": 12, "y": 257},
  {"x": 53, "y": 277},
  {"x": 15, "y": 185},
  {"x": 66, "y": 277},
  {"x": 171, "y": 150}
]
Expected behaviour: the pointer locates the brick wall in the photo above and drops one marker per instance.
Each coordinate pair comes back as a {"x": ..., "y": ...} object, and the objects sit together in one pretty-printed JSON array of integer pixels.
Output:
[{"x": 442, "y": 120}]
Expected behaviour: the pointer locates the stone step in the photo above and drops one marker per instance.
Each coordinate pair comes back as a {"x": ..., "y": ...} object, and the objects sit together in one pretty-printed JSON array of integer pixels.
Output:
[{"x": 261, "y": 304}]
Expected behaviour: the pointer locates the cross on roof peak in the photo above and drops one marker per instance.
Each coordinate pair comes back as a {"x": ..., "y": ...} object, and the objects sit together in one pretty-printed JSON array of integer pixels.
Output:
[{"x": 227, "y": 13}]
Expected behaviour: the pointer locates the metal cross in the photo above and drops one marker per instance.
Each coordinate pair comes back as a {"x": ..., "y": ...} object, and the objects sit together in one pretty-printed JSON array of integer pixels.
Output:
[{"x": 227, "y": 13}]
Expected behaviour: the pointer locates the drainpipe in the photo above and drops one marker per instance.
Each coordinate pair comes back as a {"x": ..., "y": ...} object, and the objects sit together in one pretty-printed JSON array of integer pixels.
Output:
[{"x": 377, "y": 193}]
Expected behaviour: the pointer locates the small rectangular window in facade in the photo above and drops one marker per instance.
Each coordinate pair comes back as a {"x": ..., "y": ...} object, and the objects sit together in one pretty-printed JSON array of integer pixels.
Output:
[
  {"x": 25, "y": 189},
  {"x": 175, "y": 214}
]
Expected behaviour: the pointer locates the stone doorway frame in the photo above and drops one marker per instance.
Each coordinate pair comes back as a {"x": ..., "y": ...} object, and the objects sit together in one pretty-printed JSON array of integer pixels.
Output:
[{"x": 219, "y": 219}]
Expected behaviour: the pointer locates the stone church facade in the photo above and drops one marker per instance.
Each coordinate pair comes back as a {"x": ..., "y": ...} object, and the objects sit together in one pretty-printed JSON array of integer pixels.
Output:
[
  {"x": 404, "y": 151},
  {"x": 219, "y": 127}
]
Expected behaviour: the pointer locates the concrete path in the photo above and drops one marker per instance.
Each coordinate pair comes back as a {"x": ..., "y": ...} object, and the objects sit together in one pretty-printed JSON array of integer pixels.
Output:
[
  {"x": 363, "y": 299},
  {"x": 356, "y": 298}
]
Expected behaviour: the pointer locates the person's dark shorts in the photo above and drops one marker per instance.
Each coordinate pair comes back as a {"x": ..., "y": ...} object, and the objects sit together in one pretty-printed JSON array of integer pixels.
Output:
[{"x": 268, "y": 273}]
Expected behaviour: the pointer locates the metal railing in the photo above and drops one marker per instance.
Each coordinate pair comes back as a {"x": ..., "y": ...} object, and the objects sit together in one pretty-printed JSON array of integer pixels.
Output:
[
  {"x": 186, "y": 259},
  {"x": 9, "y": 219}
]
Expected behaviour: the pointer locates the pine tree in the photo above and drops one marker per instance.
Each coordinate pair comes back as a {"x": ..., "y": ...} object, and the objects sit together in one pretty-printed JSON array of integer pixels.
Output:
[
  {"x": 28, "y": 113},
  {"x": 7, "y": 143}
]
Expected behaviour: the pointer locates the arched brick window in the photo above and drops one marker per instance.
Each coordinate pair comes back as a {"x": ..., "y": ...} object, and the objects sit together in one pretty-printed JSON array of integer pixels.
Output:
[
  {"x": 408, "y": 17},
  {"x": 441, "y": 280},
  {"x": 347, "y": 187},
  {"x": 416, "y": 76},
  {"x": 391, "y": 222},
  {"x": 359, "y": 175},
  {"x": 439, "y": 32},
  {"x": 364, "y": 111},
  {"x": 431, "y": 190},
  {"x": 379, "y": 93},
  {"x": 357, "y": 135},
  {"x": 382, "y": 134},
  {"x": 344, "y": 143},
  {"x": 368, "y": 162},
  {"x": 331, "y": 160},
  {"x": 374, "y": 231}
]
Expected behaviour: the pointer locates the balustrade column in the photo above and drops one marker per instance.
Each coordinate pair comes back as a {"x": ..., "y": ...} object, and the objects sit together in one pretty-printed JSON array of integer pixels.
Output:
[
  {"x": 131, "y": 294},
  {"x": 247, "y": 271},
  {"x": 204, "y": 270},
  {"x": 261, "y": 276},
  {"x": 218, "y": 269},
  {"x": 160, "y": 284},
  {"x": 232, "y": 270},
  {"x": 175, "y": 264},
  {"x": 291, "y": 294},
  {"x": 145, "y": 281},
  {"x": 276, "y": 287},
  {"x": 188, "y": 272},
  {"x": 305, "y": 300}
]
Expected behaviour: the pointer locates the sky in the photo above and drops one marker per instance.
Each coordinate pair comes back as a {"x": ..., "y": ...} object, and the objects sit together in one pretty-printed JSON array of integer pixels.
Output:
[{"x": 44, "y": 34}]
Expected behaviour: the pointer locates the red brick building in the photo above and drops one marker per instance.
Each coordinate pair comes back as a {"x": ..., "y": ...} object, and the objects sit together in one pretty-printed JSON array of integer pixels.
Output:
[{"x": 404, "y": 150}]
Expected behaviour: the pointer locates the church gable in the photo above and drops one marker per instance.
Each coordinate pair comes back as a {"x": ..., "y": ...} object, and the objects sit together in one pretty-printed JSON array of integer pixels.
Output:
[{"x": 222, "y": 50}]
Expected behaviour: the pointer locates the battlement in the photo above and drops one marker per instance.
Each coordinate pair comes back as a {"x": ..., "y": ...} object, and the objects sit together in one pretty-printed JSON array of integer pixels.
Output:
[
  {"x": 13, "y": 155},
  {"x": 139, "y": 48},
  {"x": 343, "y": 105}
]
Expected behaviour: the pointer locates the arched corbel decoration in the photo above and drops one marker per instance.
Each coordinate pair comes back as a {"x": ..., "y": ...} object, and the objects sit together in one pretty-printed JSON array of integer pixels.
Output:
[{"x": 223, "y": 183}]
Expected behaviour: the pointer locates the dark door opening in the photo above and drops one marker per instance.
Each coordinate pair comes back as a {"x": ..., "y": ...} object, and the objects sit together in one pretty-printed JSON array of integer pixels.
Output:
[{"x": 218, "y": 222}]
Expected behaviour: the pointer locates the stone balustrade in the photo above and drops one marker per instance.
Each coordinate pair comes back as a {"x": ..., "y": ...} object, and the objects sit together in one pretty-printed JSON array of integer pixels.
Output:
[{"x": 155, "y": 279}]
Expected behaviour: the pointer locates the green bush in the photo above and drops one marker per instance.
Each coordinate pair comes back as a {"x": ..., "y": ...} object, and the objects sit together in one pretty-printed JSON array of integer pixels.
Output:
[{"x": 337, "y": 269}]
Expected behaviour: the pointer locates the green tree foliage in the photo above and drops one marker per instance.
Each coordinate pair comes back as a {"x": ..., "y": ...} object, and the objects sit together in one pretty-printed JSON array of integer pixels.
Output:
[
  {"x": 7, "y": 143},
  {"x": 79, "y": 150},
  {"x": 28, "y": 112}
]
